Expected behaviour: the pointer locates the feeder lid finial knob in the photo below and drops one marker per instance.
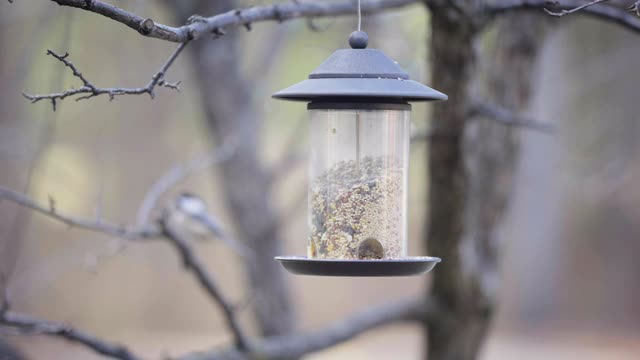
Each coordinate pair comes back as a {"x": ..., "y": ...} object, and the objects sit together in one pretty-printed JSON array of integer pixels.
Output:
[{"x": 358, "y": 40}]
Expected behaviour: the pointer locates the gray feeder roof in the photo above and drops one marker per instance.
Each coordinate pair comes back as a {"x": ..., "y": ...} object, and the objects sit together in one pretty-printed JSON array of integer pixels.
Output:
[{"x": 359, "y": 74}]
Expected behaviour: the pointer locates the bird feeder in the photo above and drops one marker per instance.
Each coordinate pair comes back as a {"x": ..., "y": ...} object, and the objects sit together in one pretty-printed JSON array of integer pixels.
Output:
[{"x": 358, "y": 102}]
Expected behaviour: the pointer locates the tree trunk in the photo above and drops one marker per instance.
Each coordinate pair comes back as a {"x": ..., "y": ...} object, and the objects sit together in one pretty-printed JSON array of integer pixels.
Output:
[
  {"x": 470, "y": 169},
  {"x": 226, "y": 97},
  {"x": 455, "y": 332}
]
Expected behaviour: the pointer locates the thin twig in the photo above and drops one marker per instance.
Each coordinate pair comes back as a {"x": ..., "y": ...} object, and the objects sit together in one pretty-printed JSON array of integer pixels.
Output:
[
  {"x": 158, "y": 78},
  {"x": 88, "y": 90},
  {"x": 564, "y": 12},
  {"x": 193, "y": 264},
  {"x": 142, "y": 232},
  {"x": 600, "y": 11},
  {"x": 196, "y": 27}
]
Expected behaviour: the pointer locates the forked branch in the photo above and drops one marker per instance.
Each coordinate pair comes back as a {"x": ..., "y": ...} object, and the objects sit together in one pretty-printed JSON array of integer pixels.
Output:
[
  {"x": 197, "y": 27},
  {"x": 27, "y": 325},
  {"x": 192, "y": 264},
  {"x": 595, "y": 9},
  {"x": 289, "y": 346},
  {"x": 564, "y": 12},
  {"x": 200, "y": 26},
  {"x": 88, "y": 90},
  {"x": 98, "y": 225}
]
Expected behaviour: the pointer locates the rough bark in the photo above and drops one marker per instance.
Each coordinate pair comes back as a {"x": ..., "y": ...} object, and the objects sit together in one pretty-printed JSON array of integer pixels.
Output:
[
  {"x": 470, "y": 168},
  {"x": 226, "y": 99},
  {"x": 453, "y": 334}
]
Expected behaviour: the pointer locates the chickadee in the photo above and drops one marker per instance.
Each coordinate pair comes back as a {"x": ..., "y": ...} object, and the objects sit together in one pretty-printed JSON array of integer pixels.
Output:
[{"x": 191, "y": 216}]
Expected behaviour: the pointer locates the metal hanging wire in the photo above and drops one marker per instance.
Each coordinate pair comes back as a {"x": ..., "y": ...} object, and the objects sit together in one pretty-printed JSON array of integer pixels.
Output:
[{"x": 359, "y": 16}]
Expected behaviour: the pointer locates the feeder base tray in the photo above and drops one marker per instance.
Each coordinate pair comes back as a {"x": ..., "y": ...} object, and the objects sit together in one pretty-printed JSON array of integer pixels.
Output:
[{"x": 413, "y": 265}]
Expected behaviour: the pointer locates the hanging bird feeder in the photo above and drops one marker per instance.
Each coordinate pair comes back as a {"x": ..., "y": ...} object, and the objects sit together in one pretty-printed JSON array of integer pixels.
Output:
[{"x": 358, "y": 101}]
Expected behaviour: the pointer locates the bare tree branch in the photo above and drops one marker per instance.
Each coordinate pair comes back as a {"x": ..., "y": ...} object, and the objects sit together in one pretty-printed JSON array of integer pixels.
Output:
[
  {"x": 88, "y": 90},
  {"x": 190, "y": 261},
  {"x": 193, "y": 264},
  {"x": 196, "y": 28},
  {"x": 203, "y": 26},
  {"x": 600, "y": 11},
  {"x": 296, "y": 345},
  {"x": 199, "y": 26},
  {"x": 27, "y": 325},
  {"x": 98, "y": 225},
  {"x": 564, "y": 12},
  {"x": 506, "y": 117}
]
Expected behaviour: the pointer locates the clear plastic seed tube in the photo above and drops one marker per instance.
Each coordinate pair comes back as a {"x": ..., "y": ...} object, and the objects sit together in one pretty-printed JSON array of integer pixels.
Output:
[{"x": 358, "y": 181}]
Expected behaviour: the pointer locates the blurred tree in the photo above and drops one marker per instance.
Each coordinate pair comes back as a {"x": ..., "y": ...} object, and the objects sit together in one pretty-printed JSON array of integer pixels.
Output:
[
  {"x": 227, "y": 103},
  {"x": 590, "y": 210},
  {"x": 471, "y": 169}
]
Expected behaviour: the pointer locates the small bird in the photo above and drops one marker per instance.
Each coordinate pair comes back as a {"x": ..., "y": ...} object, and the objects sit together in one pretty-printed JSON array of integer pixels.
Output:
[{"x": 191, "y": 216}]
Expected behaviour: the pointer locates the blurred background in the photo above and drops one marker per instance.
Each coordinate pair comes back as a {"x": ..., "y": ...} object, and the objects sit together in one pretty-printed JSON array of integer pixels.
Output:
[{"x": 571, "y": 234}]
